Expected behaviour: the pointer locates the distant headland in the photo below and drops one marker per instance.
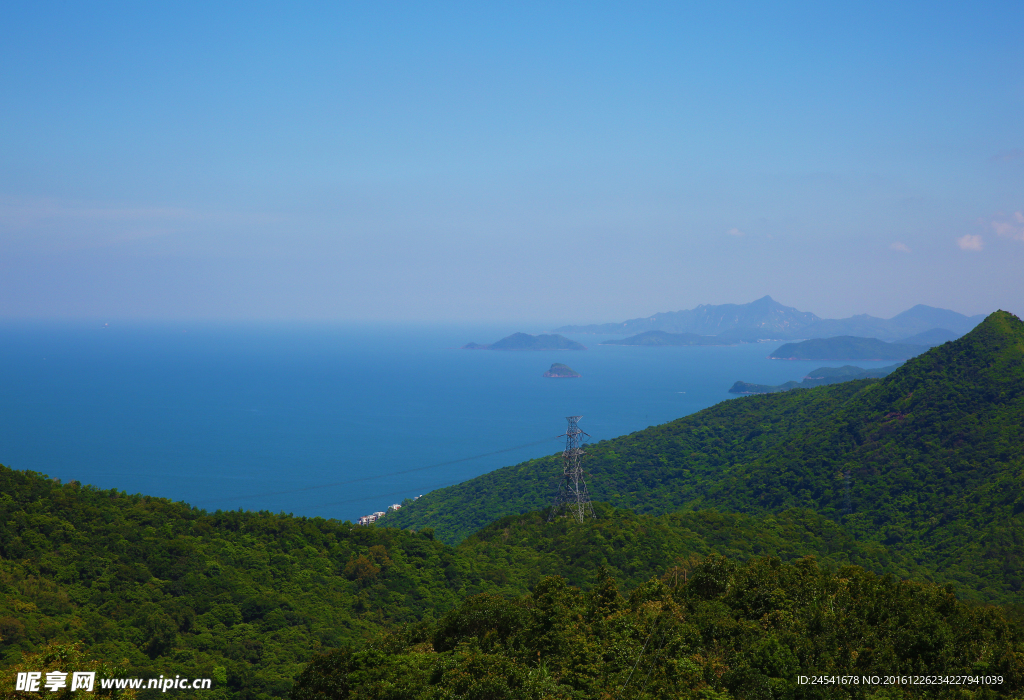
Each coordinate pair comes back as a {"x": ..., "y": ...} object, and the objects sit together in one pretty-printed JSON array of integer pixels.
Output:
[
  {"x": 818, "y": 377},
  {"x": 560, "y": 370},
  {"x": 525, "y": 341},
  {"x": 846, "y": 348}
]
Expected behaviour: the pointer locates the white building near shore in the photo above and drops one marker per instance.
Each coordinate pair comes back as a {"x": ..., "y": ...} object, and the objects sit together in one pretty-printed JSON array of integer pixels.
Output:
[{"x": 371, "y": 518}]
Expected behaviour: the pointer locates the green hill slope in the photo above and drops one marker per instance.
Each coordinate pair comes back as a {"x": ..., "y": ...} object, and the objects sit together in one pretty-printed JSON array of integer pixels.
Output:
[
  {"x": 524, "y": 548},
  {"x": 658, "y": 470},
  {"x": 707, "y": 630},
  {"x": 245, "y": 598},
  {"x": 928, "y": 461},
  {"x": 173, "y": 589}
]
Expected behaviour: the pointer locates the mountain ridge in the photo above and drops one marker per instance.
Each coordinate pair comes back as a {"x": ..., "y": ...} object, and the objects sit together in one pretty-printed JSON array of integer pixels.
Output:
[
  {"x": 766, "y": 318},
  {"x": 764, "y": 314}
]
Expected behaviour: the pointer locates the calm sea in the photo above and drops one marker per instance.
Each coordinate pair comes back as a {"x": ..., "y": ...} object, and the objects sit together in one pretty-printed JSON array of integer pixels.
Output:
[{"x": 329, "y": 421}]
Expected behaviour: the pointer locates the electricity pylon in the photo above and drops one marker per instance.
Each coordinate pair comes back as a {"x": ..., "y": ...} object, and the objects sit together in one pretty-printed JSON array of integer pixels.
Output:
[{"x": 572, "y": 489}]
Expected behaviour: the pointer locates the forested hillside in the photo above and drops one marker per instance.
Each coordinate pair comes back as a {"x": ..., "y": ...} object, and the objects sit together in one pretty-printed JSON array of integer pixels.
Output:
[
  {"x": 708, "y": 629},
  {"x": 928, "y": 461},
  {"x": 634, "y": 548},
  {"x": 244, "y": 597},
  {"x": 156, "y": 587},
  {"x": 658, "y": 470}
]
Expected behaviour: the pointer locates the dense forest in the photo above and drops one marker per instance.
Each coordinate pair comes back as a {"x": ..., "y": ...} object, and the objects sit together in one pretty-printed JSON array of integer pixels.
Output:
[
  {"x": 761, "y": 539},
  {"x": 155, "y": 587},
  {"x": 160, "y": 587},
  {"x": 709, "y": 629}
]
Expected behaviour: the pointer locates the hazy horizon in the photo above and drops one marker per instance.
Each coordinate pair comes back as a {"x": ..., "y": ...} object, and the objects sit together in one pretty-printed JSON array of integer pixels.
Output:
[
  {"x": 530, "y": 164},
  {"x": 528, "y": 325}
]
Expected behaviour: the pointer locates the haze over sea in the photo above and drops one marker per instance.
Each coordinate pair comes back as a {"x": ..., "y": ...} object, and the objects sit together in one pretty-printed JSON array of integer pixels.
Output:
[{"x": 320, "y": 420}]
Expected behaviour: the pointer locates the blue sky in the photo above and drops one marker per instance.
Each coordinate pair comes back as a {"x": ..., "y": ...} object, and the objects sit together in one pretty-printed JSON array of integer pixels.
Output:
[{"x": 562, "y": 162}]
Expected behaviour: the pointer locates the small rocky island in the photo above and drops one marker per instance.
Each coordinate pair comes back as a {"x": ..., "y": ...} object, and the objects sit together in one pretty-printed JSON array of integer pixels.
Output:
[
  {"x": 525, "y": 341},
  {"x": 560, "y": 370}
]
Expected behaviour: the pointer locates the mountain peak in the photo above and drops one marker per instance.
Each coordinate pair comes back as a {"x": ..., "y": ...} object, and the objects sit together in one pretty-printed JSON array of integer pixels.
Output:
[
  {"x": 983, "y": 368},
  {"x": 1000, "y": 336},
  {"x": 1000, "y": 333},
  {"x": 931, "y": 316}
]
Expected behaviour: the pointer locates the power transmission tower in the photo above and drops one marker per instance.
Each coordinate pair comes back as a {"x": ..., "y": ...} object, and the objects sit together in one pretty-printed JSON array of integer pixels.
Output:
[{"x": 572, "y": 489}]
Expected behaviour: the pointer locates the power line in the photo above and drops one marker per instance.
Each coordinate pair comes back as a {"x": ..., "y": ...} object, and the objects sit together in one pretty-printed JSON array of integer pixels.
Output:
[
  {"x": 654, "y": 661},
  {"x": 661, "y": 647},
  {"x": 653, "y": 630},
  {"x": 375, "y": 476},
  {"x": 380, "y": 495}
]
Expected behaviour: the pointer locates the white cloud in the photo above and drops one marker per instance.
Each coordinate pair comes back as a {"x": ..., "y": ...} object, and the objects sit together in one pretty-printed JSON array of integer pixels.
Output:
[
  {"x": 969, "y": 242},
  {"x": 901, "y": 247},
  {"x": 734, "y": 232},
  {"x": 1010, "y": 227}
]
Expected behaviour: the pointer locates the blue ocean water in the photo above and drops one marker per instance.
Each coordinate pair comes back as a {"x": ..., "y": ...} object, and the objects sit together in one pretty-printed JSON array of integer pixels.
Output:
[{"x": 331, "y": 421}]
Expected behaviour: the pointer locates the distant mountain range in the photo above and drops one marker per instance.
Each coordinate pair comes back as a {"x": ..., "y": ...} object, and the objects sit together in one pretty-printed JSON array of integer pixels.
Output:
[{"x": 767, "y": 319}]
